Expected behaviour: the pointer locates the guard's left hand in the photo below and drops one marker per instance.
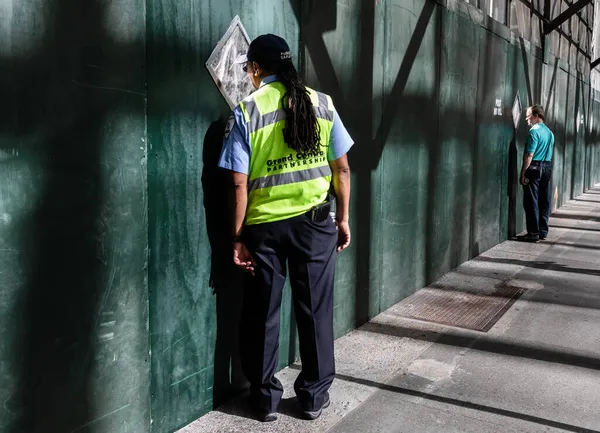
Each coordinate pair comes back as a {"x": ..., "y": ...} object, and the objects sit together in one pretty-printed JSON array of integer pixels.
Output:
[
  {"x": 344, "y": 236},
  {"x": 242, "y": 258}
]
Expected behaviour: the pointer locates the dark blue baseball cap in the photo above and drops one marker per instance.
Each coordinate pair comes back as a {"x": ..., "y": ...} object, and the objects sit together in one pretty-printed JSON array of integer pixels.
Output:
[{"x": 269, "y": 51}]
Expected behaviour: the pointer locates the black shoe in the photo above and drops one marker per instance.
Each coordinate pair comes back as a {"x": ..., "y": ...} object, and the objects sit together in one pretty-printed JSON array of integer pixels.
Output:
[
  {"x": 263, "y": 416},
  {"x": 312, "y": 415},
  {"x": 543, "y": 237},
  {"x": 529, "y": 238},
  {"x": 260, "y": 413},
  {"x": 268, "y": 417}
]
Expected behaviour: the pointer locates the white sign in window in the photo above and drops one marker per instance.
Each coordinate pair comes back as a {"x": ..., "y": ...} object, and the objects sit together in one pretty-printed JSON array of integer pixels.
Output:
[{"x": 498, "y": 108}]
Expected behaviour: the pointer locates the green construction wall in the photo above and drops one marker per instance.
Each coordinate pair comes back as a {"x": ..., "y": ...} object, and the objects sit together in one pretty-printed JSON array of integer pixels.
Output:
[
  {"x": 192, "y": 321},
  {"x": 118, "y": 304},
  {"x": 74, "y": 352},
  {"x": 435, "y": 169}
]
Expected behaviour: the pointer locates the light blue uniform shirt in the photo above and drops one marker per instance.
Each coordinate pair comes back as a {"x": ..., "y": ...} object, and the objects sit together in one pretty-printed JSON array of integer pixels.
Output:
[
  {"x": 540, "y": 142},
  {"x": 236, "y": 151}
]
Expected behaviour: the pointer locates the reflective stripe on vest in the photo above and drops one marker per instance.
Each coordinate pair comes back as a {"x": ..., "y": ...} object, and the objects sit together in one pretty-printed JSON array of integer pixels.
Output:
[
  {"x": 282, "y": 182},
  {"x": 287, "y": 178},
  {"x": 259, "y": 122}
]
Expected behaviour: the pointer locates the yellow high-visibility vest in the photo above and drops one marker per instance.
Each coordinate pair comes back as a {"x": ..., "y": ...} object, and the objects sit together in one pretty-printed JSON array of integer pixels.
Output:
[{"x": 282, "y": 183}]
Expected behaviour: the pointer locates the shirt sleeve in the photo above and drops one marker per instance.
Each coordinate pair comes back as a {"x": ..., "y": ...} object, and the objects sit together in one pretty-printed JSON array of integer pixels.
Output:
[
  {"x": 340, "y": 141},
  {"x": 532, "y": 142},
  {"x": 236, "y": 152}
]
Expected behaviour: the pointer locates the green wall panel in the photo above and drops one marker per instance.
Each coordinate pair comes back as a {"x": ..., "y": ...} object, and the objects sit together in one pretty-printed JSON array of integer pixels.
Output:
[
  {"x": 491, "y": 152},
  {"x": 338, "y": 44},
  {"x": 189, "y": 325},
  {"x": 550, "y": 101},
  {"x": 516, "y": 84},
  {"x": 119, "y": 306},
  {"x": 449, "y": 194},
  {"x": 592, "y": 142},
  {"x": 587, "y": 111},
  {"x": 73, "y": 248},
  {"x": 409, "y": 121},
  {"x": 561, "y": 153},
  {"x": 569, "y": 168},
  {"x": 579, "y": 171}
]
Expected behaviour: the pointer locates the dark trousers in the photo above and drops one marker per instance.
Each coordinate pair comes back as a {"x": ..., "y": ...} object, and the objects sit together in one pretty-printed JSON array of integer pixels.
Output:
[
  {"x": 536, "y": 198},
  {"x": 309, "y": 248}
]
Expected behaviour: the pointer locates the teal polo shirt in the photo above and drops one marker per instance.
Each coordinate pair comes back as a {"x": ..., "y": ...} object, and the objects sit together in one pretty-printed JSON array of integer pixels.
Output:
[{"x": 540, "y": 142}]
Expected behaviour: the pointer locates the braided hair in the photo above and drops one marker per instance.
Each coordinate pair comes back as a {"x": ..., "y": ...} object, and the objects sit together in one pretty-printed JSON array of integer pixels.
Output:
[{"x": 302, "y": 132}]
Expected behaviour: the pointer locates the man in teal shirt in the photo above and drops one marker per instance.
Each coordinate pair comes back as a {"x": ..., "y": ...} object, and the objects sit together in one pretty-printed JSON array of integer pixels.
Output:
[{"x": 536, "y": 175}]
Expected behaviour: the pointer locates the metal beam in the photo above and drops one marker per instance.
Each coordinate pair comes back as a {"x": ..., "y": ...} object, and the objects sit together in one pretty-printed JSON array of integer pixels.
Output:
[
  {"x": 546, "y": 17},
  {"x": 572, "y": 10},
  {"x": 533, "y": 10},
  {"x": 569, "y": 3},
  {"x": 547, "y": 10},
  {"x": 558, "y": 30},
  {"x": 545, "y": 37},
  {"x": 595, "y": 63}
]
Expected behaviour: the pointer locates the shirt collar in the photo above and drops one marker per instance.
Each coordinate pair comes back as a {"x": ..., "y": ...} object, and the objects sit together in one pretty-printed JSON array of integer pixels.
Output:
[
  {"x": 268, "y": 80},
  {"x": 539, "y": 124}
]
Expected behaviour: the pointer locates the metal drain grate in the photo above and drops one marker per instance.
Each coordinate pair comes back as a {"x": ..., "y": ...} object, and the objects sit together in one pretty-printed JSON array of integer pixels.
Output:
[{"x": 474, "y": 311}]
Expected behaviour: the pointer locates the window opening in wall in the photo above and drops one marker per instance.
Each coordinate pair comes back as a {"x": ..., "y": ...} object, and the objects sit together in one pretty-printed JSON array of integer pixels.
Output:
[{"x": 576, "y": 40}]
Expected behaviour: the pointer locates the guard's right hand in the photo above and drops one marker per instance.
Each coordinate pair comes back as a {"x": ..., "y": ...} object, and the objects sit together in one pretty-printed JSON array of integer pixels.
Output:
[
  {"x": 524, "y": 181},
  {"x": 344, "y": 236},
  {"x": 242, "y": 258}
]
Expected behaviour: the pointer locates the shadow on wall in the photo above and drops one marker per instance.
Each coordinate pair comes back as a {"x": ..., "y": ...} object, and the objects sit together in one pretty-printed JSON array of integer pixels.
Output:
[
  {"x": 60, "y": 101},
  {"x": 54, "y": 350},
  {"x": 80, "y": 317},
  {"x": 358, "y": 116},
  {"x": 58, "y": 117},
  {"x": 365, "y": 157},
  {"x": 225, "y": 279},
  {"x": 513, "y": 186}
]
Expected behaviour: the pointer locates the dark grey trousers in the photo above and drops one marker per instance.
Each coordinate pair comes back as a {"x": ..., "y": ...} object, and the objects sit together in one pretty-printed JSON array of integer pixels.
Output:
[{"x": 309, "y": 249}]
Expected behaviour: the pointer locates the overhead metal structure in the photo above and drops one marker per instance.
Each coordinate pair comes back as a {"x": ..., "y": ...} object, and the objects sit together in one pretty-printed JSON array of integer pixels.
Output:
[
  {"x": 563, "y": 28},
  {"x": 572, "y": 10}
]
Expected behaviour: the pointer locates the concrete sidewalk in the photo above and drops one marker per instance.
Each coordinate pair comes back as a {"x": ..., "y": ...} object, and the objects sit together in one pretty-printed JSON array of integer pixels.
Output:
[{"x": 535, "y": 370}]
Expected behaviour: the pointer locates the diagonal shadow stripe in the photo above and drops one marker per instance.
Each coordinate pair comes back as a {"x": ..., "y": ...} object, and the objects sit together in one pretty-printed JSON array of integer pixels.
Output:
[
  {"x": 561, "y": 215},
  {"x": 460, "y": 403},
  {"x": 537, "y": 264},
  {"x": 552, "y": 85},
  {"x": 581, "y": 246},
  {"x": 583, "y": 229},
  {"x": 527, "y": 74},
  {"x": 485, "y": 343},
  {"x": 465, "y": 404},
  {"x": 313, "y": 39},
  {"x": 589, "y": 201},
  {"x": 395, "y": 97},
  {"x": 312, "y": 36}
]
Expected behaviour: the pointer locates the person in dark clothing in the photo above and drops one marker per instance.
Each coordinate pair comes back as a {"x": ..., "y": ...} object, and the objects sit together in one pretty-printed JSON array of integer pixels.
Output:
[
  {"x": 536, "y": 175},
  {"x": 285, "y": 147}
]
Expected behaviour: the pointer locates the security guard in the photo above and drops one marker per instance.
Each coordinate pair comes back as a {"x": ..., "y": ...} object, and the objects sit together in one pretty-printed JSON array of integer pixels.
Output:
[
  {"x": 536, "y": 175},
  {"x": 286, "y": 147}
]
